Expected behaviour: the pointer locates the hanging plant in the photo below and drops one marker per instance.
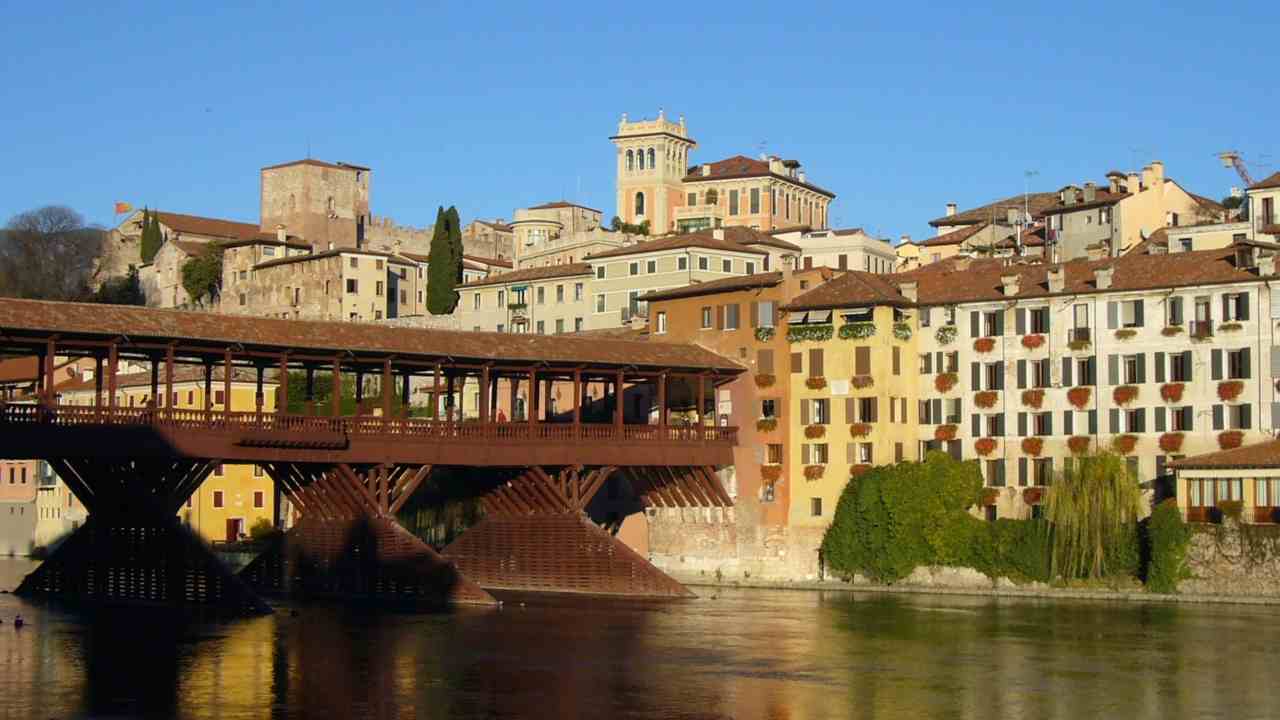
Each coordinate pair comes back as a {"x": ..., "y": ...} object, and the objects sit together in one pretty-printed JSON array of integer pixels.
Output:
[
  {"x": 1171, "y": 442},
  {"x": 862, "y": 382},
  {"x": 944, "y": 382},
  {"x": 1124, "y": 394},
  {"x": 1171, "y": 330},
  {"x": 1124, "y": 444},
  {"x": 859, "y": 429},
  {"x": 945, "y": 335},
  {"x": 768, "y": 424},
  {"x": 860, "y": 330},
  {"x": 1230, "y": 439},
  {"x": 1230, "y": 327},
  {"x": 1079, "y": 344},
  {"x": 765, "y": 334},
  {"x": 990, "y": 496},
  {"x": 1126, "y": 334},
  {"x": 944, "y": 433},
  {"x": 856, "y": 470},
  {"x": 815, "y": 431},
  {"x": 984, "y": 446},
  {"x": 1079, "y": 396},
  {"x": 1031, "y": 342},
  {"x": 986, "y": 398},
  {"x": 764, "y": 380},
  {"x": 815, "y": 383},
  {"x": 984, "y": 345},
  {"x": 1033, "y": 495},
  {"x": 902, "y": 330},
  {"x": 770, "y": 473},
  {"x": 1229, "y": 390},
  {"x": 1078, "y": 444},
  {"x": 1033, "y": 398},
  {"x": 808, "y": 333},
  {"x": 1171, "y": 392},
  {"x": 813, "y": 472},
  {"x": 1032, "y": 446}
]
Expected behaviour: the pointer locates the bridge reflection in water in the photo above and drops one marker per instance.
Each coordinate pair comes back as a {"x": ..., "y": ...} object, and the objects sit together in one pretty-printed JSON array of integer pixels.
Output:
[{"x": 347, "y": 475}]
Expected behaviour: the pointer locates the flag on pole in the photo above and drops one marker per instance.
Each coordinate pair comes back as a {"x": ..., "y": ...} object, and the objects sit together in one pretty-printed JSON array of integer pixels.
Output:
[{"x": 123, "y": 207}]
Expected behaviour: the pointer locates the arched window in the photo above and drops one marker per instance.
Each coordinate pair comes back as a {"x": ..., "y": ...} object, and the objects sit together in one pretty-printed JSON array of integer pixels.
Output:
[
  {"x": 630, "y": 161},
  {"x": 652, "y": 164},
  {"x": 639, "y": 204}
]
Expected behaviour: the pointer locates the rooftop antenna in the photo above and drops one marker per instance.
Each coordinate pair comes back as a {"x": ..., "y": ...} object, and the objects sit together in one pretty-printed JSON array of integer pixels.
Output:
[
  {"x": 763, "y": 147},
  {"x": 1025, "y": 220}
]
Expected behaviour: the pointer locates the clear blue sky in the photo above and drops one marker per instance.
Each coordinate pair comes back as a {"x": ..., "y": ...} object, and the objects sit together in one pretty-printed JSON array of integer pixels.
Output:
[{"x": 896, "y": 107}]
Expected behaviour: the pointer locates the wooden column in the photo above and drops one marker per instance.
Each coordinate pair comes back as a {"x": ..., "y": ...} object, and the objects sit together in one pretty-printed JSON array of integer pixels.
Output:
[
  {"x": 532, "y": 395},
  {"x": 662, "y": 405},
  {"x": 113, "y": 364},
  {"x": 448, "y": 402},
  {"x": 546, "y": 398},
  {"x": 387, "y": 389},
  {"x": 484, "y": 394},
  {"x": 258, "y": 397},
  {"x": 577, "y": 403},
  {"x": 435, "y": 391},
  {"x": 702, "y": 400},
  {"x": 493, "y": 397},
  {"x": 228, "y": 372},
  {"x": 404, "y": 392},
  {"x": 515, "y": 391},
  {"x": 359, "y": 391},
  {"x": 97, "y": 382},
  {"x": 282, "y": 394},
  {"x": 168, "y": 379},
  {"x": 335, "y": 402},
  {"x": 311, "y": 390},
  {"x": 208, "y": 390},
  {"x": 50, "y": 352},
  {"x": 155, "y": 382},
  {"x": 618, "y": 413}
]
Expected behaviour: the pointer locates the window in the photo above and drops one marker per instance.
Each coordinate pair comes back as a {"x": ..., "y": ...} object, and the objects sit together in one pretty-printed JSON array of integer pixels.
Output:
[
  {"x": 542, "y": 327},
  {"x": 1042, "y": 471},
  {"x": 755, "y": 201},
  {"x": 733, "y": 202},
  {"x": 774, "y": 453},
  {"x": 1239, "y": 417},
  {"x": 682, "y": 263},
  {"x": 815, "y": 507},
  {"x": 1040, "y": 373},
  {"x": 865, "y": 453},
  {"x": 769, "y": 408},
  {"x": 1173, "y": 311},
  {"x": 633, "y": 268},
  {"x": 501, "y": 327},
  {"x": 1131, "y": 313},
  {"x": 1180, "y": 419},
  {"x": 354, "y": 262},
  {"x": 993, "y": 323},
  {"x": 377, "y": 314},
  {"x": 1042, "y": 423},
  {"x": 631, "y": 161},
  {"x": 378, "y": 287},
  {"x": 1235, "y": 307},
  {"x": 599, "y": 272},
  {"x": 560, "y": 325},
  {"x": 1238, "y": 364},
  {"x": 600, "y": 303},
  {"x": 1039, "y": 318},
  {"x": 731, "y": 317},
  {"x": 994, "y": 376},
  {"x": 259, "y": 499},
  {"x": 703, "y": 263},
  {"x": 651, "y": 267},
  {"x": 661, "y": 323},
  {"x": 502, "y": 298},
  {"x": 1133, "y": 369},
  {"x": 995, "y": 473},
  {"x": 577, "y": 292},
  {"x": 691, "y": 199},
  {"x": 751, "y": 268},
  {"x": 577, "y": 324},
  {"x": 639, "y": 204},
  {"x": 559, "y": 293},
  {"x": 706, "y": 317},
  {"x": 217, "y": 498},
  {"x": 475, "y": 301},
  {"x": 995, "y": 425},
  {"x": 726, "y": 265},
  {"x": 242, "y": 298},
  {"x": 821, "y": 411},
  {"x": 353, "y": 286},
  {"x": 218, "y": 397},
  {"x": 819, "y": 454}
]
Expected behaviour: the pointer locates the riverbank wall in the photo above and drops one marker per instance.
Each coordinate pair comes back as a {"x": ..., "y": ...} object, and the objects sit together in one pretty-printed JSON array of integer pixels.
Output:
[{"x": 730, "y": 543}]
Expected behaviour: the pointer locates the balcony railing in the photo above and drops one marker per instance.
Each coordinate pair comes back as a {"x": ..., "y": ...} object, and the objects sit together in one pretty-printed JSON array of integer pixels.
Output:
[
  {"x": 1201, "y": 329},
  {"x": 356, "y": 426},
  {"x": 1080, "y": 334}
]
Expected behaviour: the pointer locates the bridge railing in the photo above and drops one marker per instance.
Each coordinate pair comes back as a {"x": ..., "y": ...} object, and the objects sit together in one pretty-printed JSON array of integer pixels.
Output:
[{"x": 357, "y": 426}]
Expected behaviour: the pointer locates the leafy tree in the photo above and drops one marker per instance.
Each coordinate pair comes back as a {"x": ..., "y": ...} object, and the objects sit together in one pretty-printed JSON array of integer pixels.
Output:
[
  {"x": 444, "y": 268},
  {"x": 1169, "y": 538},
  {"x": 152, "y": 239},
  {"x": 48, "y": 254},
  {"x": 617, "y": 225},
  {"x": 1231, "y": 202},
  {"x": 126, "y": 290},
  {"x": 1094, "y": 513},
  {"x": 323, "y": 394},
  {"x": 202, "y": 274}
]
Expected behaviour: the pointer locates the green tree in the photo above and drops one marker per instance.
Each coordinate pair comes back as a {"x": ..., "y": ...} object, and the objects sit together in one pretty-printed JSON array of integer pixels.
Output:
[
  {"x": 125, "y": 290},
  {"x": 444, "y": 268},
  {"x": 1093, "y": 511},
  {"x": 151, "y": 236},
  {"x": 1169, "y": 538},
  {"x": 323, "y": 394},
  {"x": 202, "y": 274}
]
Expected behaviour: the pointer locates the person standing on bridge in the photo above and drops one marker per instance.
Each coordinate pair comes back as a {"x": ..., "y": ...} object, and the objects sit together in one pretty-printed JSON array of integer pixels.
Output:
[{"x": 502, "y": 416}]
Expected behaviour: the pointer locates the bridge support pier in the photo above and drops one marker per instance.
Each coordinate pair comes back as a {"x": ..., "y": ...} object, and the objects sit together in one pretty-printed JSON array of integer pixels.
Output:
[
  {"x": 133, "y": 549},
  {"x": 348, "y": 544},
  {"x": 536, "y": 536}
]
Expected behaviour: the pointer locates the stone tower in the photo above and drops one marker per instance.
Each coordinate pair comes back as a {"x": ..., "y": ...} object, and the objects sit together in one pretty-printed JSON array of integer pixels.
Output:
[
  {"x": 652, "y": 158},
  {"x": 326, "y": 204}
]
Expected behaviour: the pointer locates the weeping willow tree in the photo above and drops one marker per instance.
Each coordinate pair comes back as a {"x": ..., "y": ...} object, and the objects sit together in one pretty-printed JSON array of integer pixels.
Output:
[{"x": 1093, "y": 510}]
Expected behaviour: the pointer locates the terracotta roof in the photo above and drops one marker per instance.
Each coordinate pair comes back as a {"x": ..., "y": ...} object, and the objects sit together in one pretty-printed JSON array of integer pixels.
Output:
[
  {"x": 213, "y": 227},
  {"x": 850, "y": 289},
  {"x": 955, "y": 237},
  {"x": 1270, "y": 181},
  {"x": 1258, "y": 455},
  {"x": 1157, "y": 239},
  {"x": 266, "y": 238},
  {"x": 561, "y": 204},
  {"x": 318, "y": 163},
  {"x": 181, "y": 374},
  {"x": 496, "y": 262},
  {"x": 1207, "y": 203},
  {"x": 307, "y": 257},
  {"x": 1031, "y": 237},
  {"x": 676, "y": 242},
  {"x": 189, "y": 248},
  {"x": 741, "y": 166},
  {"x": 500, "y": 227},
  {"x": 547, "y": 272},
  {"x": 734, "y": 284},
  {"x": 998, "y": 210},
  {"x": 748, "y": 236},
  {"x": 1102, "y": 197},
  {"x": 139, "y": 324}
]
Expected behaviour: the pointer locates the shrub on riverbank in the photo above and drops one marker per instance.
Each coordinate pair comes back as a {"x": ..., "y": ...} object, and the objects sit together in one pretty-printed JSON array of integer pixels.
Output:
[{"x": 1169, "y": 537}]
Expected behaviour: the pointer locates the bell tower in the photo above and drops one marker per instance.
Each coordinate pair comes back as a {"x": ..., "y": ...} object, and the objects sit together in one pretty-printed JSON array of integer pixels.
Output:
[{"x": 653, "y": 156}]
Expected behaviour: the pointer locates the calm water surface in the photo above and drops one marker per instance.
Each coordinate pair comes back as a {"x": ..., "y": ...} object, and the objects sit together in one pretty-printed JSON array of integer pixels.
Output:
[{"x": 729, "y": 654}]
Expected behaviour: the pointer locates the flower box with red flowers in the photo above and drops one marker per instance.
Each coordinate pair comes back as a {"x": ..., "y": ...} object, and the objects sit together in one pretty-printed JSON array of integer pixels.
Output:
[
  {"x": 1124, "y": 444},
  {"x": 985, "y": 399},
  {"x": 984, "y": 345},
  {"x": 984, "y": 446},
  {"x": 945, "y": 381},
  {"x": 1229, "y": 390},
  {"x": 1031, "y": 342},
  {"x": 944, "y": 433},
  {"x": 1033, "y": 398},
  {"x": 815, "y": 431},
  {"x": 859, "y": 429},
  {"x": 1171, "y": 392},
  {"x": 1125, "y": 394},
  {"x": 815, "y": 383},
  {"x": 1080, "y": 396},
  {"x": 1078, "y": 444},
  {"x": 1171, "y": 442},
  {"x": 1230, "y": 439},
  {"x": 1032, "y": 446}
]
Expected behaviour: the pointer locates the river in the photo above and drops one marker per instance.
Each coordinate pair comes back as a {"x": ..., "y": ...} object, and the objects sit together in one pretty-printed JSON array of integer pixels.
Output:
[{"x": 781, "y": 655}]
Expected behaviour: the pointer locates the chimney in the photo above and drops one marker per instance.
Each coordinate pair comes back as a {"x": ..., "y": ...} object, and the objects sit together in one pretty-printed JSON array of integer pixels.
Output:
[
  {"x": 1132, "y": 183},
  {"x": 1010, "y": 283},
  {"x": 1068, "y": 195},
  {"x": 1090, "y": 192},
  {"x": 1102, "y": 277},
  {"x": 1157, "y": 171},
  {"x": 800, "y": 176},
  {"x": 1113, "y": 183},
  {"x": 280, "y": 233},
  {"x": 1011, "y": 215},
  {"x": 910, "y": 290},
  {"x": 706, "y": 170},
  {"x": 718, "y": 233},
  {"x": 1057, "y": 279},
  {"x": 951, "y": 209},
  {"x": 1148, "y": 177},
  {"x": 905, "y": 239},
  {"x": 788, "y": 268}
]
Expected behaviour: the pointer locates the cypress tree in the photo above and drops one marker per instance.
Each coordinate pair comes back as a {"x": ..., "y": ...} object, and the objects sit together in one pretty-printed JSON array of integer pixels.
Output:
[
  {"x": 455, "y": 242},
  {"x": 151, "y": 240},
  {"x": 442, "y": 272}
]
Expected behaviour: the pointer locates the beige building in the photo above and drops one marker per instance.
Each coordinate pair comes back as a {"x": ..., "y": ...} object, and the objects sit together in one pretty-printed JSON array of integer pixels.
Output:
[
  {"x": 1121, "y": 214},
  {"x": 559, "y": 233},
  {"x": 491, "y": 239},
  {"x": 850, "y": 249},
  {"x": 542, "y": 300},
  {"x": 657, "y": 184},
  {"x": 1259, "y": 223}
]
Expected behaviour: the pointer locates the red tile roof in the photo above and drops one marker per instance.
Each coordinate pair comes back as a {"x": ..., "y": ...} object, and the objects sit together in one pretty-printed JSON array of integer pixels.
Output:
[
  {"x": 1259, "y": 455},
  {"x": 748, "y": 236},
  {"x": 496, "y": 262},
  {"x": 734, "y": 284},
  {"x": 998, "y": 210},
  {"x": 1102, "y": 197},
  {"x": 213, "y": 227},
  {"x": 318, "y": 163},
  {"x": 676, "y": 242},
  {"x": 741, "y": 166},
  {"x": 562, "y": 204},
  {"x": 955, "y": 237},
  {"x": 547, "y": 272},
  {"x": 1270, "y": 181},
  {"x": 308, "y": 257},
  {"x": 854, "y": 288}
]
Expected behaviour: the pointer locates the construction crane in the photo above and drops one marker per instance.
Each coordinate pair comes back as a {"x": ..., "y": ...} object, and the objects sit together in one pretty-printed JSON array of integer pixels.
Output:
[{"x": 1232, "y": 159}]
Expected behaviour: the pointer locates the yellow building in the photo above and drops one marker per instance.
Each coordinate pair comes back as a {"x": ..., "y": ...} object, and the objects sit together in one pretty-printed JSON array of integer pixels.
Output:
[
  {"x": 853, "y": 388},
  {"x": 234, "y": 497}
]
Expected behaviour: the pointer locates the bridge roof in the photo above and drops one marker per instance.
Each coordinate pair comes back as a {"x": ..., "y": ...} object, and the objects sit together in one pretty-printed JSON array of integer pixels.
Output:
[{"x": 23, "y": 320}]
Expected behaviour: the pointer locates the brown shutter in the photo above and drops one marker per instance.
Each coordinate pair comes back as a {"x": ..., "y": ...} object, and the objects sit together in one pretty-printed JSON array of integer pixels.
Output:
[
  {"x": 875, "y": 409},
  {"x": 755, "y": 314},
  {"x": 851, "y": 453},
  {"x": 815, "y": 362},
  {"x": 804, "y": 454},
  {"x": 893, "y": 409},
  {"x": 764, "y": 362},
  {"x": 850, "y": 410},
  {"x": 804, "y": 412},
  {"x": 797, "y": 362},
  {"x": 862, "y": 361},
  {"x": 719, "y": 317},
  {"x": 897, "y": 362}
]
